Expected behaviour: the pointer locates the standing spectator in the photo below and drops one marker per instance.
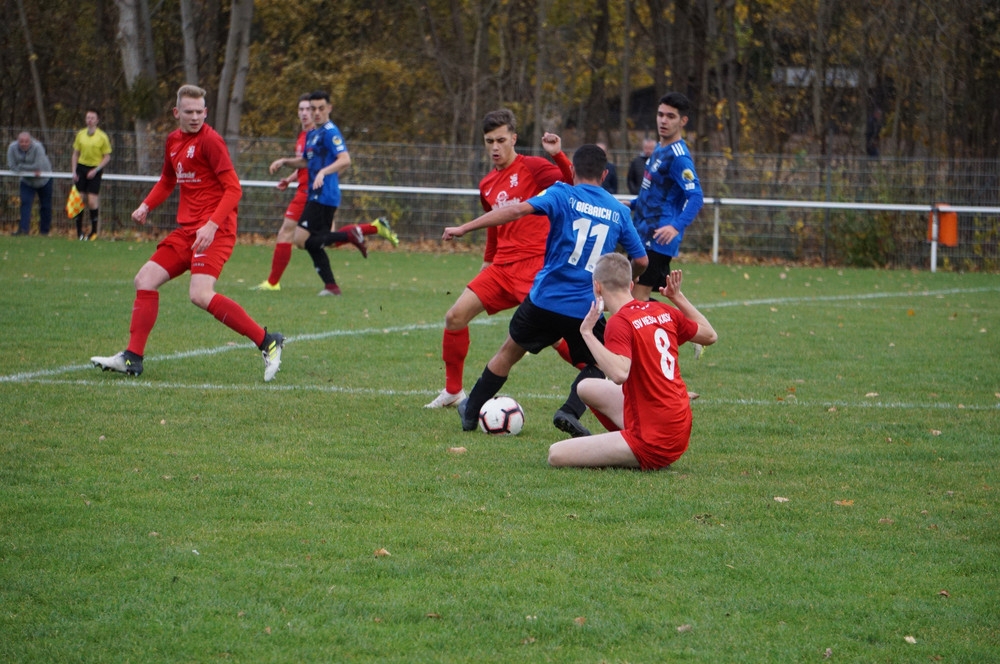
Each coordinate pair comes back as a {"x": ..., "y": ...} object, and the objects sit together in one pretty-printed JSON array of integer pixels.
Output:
[
  {"x": 645, "y": 396},
  {"x": 196, "y": 158},
  {"x": 514, "y": 252},
  {"x": 26, "y": 155},
  {"x": 91, "y": 153},
  {"x": 670, "y": 196},
  {"x": 637, "y": 168},
  {"x": 610, "y": 182},
  {"x": 585, "y": 222}
]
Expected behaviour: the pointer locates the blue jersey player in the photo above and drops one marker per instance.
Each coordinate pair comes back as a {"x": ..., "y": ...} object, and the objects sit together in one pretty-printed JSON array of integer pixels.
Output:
[
  {"x": 325, "y": 156},
  {"x": 585, "y": 222},
  {"x": 670, "y": 196}
]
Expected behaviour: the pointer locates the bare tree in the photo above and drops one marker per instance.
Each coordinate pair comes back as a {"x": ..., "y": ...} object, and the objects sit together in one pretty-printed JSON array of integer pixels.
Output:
[
  {"x": 39, "y": 104},
  {"x": 134, "y": 41},
  {"x": 190, "y": 35},
  {"x": 232, "y": 81}
]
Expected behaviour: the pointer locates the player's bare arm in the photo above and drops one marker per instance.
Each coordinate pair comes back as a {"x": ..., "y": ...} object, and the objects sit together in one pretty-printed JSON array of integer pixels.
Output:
[
  {"x": 140, "y": 214},
  {"x": 495, "y": 217},
  {"x": 706, "y": 335},
  {"x": 615, "y": 367}
]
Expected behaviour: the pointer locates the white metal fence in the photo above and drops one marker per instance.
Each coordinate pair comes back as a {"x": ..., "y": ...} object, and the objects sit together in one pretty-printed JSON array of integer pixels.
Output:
[{"x": 847, "y": 210}]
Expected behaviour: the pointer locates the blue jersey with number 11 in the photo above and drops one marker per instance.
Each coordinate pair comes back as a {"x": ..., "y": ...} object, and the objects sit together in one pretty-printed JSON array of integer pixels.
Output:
[{"x": 585, "y": 222}]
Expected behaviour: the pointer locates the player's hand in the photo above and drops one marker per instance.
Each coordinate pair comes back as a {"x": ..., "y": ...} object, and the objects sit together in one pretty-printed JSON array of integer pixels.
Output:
[
  {"x": 673, "y": 287},
  {"x": 204, "y": 237},
  {"x": 91, "y": 173},
  {"x": 595, "y": 313},
  {"x": 318, "y": 182},
  {"x": 275, "y": 166},
  {"x": 665, "y": 234},
  {"x": 282, "y": 185},
  {"x": 76, "y": 178},
  {"x": 452, "y": 232},
  {"x": 551, "y": 143},
  {"x": 139, "y": 216}
]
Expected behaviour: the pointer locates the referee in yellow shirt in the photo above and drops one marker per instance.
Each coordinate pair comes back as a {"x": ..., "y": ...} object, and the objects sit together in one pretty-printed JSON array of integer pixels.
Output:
[{"x": 91, "y": 153}]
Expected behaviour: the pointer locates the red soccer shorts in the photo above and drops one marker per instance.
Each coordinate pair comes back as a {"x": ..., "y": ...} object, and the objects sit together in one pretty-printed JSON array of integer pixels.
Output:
[
  {"x": 663, "y": 452},
  {"x": 298, "y": 204},
  {"x": 174, "y": 253},
  {"x": 501, "y": 287}
]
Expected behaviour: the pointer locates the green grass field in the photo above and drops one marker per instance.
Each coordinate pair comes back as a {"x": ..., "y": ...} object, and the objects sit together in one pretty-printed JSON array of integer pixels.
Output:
[{"x": 839, "y": 500}]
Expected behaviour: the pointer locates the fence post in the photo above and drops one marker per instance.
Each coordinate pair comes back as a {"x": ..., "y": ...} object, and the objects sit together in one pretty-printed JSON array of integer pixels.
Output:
[
  {"x": 935, "y": 224},
  {"x": 715, "y": 231}
]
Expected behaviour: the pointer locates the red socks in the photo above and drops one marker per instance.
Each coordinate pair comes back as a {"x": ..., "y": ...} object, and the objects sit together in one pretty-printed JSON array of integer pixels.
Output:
[
  {"x": 454, "y": 349},
  {"x": 236, "y": 318},
  {"x": 282, "y": 256},
  {"x": 144, "y": 312}
]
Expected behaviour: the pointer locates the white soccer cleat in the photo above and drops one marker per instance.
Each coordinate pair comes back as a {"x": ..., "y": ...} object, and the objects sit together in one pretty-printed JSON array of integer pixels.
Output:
[
  {"x": 698, "y": 349},
  {"x": 123, "y": 362},
  {"x": 270, "y": 350},
  {"x": 446, "y": 399}
]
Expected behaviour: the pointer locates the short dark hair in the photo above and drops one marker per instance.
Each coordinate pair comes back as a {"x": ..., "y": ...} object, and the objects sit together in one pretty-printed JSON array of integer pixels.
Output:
[
  {"x": 304, "y": 97},
  {"x": 678, "y": 101},
  {"x": 499, "y": 118},
  {"x": 91, "y": 109},
  {"x": 316, "y": 95},
  {"x": 589, "y": 162}
]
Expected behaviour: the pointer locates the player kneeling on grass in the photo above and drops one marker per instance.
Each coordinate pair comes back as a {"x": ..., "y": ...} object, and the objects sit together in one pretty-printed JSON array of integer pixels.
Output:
[{"x": 643, "y": 395}]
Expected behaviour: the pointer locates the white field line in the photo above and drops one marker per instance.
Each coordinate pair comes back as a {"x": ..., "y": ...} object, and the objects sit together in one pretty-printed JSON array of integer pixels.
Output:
[{"x": 46, "y": 376}]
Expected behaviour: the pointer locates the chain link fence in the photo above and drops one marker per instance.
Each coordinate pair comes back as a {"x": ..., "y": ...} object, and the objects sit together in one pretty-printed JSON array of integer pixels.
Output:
[{"x": 423, "y": 188}]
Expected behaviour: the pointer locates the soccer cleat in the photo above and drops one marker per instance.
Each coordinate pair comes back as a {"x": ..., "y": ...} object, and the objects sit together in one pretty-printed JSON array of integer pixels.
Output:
[
  {"x": 267, "y": 286},
  {"x": 698, "y": 350},
  {"x": 467, "y": 424},
  {"x": 125, "y": 362},
  {"x": 446, "y": 399},
  {"x": 332, "y": 289},
  {"x": 92, "y": 237},
  {"x": 357, "y": 238},
  {"x": 83, "y": 238},
  {"x": 568, "y": 422},
  {"x": 385, "y": 230},
  {"x": 271, "y": 352}
]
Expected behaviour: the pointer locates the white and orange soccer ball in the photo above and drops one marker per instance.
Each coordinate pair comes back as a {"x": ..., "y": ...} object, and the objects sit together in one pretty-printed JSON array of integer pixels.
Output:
[{"x": 501, "y": 416}]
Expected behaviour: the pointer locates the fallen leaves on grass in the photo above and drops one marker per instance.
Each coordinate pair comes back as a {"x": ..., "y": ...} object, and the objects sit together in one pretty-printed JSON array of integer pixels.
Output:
[
  {"x": 579, "y": 620},
  {"x": 684, "y": 628},
  {"x": 872, "y": 395},
  {"x": 457, "y": 450},
  {"x": 935, "y": 432},
  {"x": 780, "y": 499},
  {"x": 886, "y": 521},
  {"x": 827, "y": 653},
  {"x": 844, "y": 503},
  {"x": 910, "y": 639},
  {"x": 435, "y": 616},
  {"x": 944, "y": 593},
  {"x": 382, "y": 553}
]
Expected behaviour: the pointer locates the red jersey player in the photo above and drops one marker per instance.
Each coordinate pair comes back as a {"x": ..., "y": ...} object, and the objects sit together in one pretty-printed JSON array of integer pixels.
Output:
[
  {"x": 286, "y": 234},
  {"x": 514, "y": 252},
  {"x": 195, "y": 158},
  {"x": 644, "y": 395}
]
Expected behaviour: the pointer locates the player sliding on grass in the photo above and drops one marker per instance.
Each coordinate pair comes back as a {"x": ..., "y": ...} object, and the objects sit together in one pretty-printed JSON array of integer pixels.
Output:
[
  {"x": 585, "y": 222},
  {"x": 643, "y": 395},
  {"x": 196, "y": 158},
  {"x": 286, "y": 234},
  {"x": 514, "y": 252}
]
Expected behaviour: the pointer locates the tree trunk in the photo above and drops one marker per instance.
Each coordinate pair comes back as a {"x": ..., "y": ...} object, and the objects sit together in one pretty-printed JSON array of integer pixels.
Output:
[
  {"x": 232, "y": 81},
  {"x": 140, "y": 74},
  {"x": 190, "y": 37},
  {"x": 39, "y": 102}
]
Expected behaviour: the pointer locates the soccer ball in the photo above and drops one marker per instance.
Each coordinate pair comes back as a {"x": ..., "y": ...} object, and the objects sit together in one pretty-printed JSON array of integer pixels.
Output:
[{"x": 501, "y": 416}]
